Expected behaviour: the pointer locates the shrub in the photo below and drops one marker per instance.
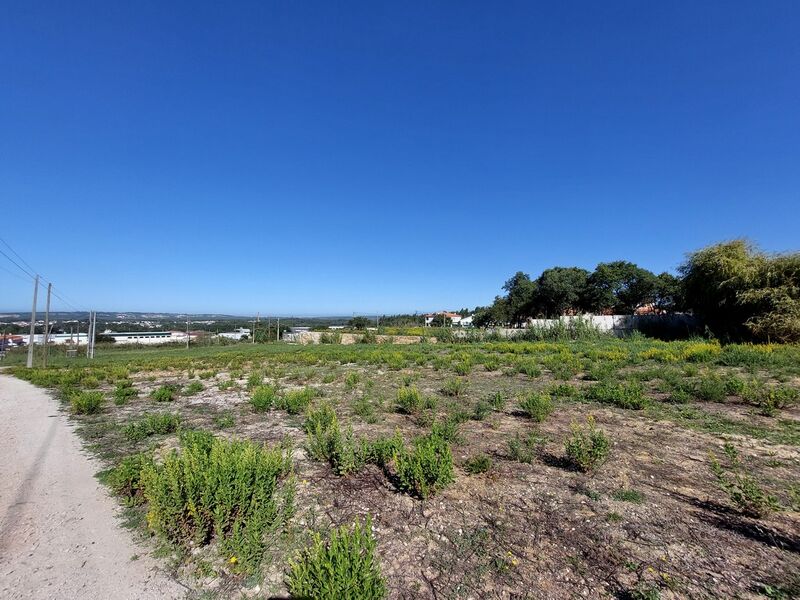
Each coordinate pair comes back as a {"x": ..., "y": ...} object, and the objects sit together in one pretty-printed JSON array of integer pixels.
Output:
[
  {"x": 625, "y": 395},
  {"x": 447, "y": 429},
  {"x": 481, "y": 411},
  {"x": 152, "y": 424},
  {"x": 255, "y": 380},
  {"x": 497, "y": 400},
  {"x": 462, "y": 367},
  {"x": 531, "y": 369},
  {"x": 562, "y": 390},
  {"x": 710, "y": 388},
  {"x": 536, "y": 405},
  {"x": 195, "y": 387},
  {"x": 409, "y": 400},
  {"x": 86, "y": 403},
  {"x": 742, "y": 488},
  {"x": 166, "y": 393},
  {"x": 263, "y": 398},
  {"x": 233, "y": 491},
  {"x": 524, "y": 449},
  {"x": 124, "y": 391},
  {"x": 224, "y": 421},
  {"x": 425, "y": 469},
  {"x": 455, "y": 387},
  {"x": 125, "y": 479},
  {"x": 587, "y": 448},
  {"x": 297, "y": 401},
  {"x": 480, "y": 463},
  {"x": 343, "y": 567},
  {"x": 351, "y": 380}
]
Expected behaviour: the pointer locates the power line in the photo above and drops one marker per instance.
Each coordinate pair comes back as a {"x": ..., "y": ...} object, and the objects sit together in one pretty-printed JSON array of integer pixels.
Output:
[
  {"x": 25, "y": 262},
  {"x": 17, "y": 265}
]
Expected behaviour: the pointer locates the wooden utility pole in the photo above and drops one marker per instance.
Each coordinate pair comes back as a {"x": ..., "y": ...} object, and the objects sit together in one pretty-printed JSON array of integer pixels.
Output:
[
  {"x": 47, "y": 325},
  {"x": 33, "y": 322},
  {"x": 187, "y": 332},
  {"x": 278, "y": 332},
  {"x": 255, "y": 324}
]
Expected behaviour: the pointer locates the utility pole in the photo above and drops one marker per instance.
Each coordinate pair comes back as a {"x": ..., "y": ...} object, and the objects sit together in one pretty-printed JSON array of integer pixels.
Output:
[
  {"x": 278, "y": 332},
  {"x": 90, "y": 334},
  {"x": 47, "y": 324},
  {"x": 33, "y": 322},
  {"x": 255, "y": 324},
  {"x": 187, "y": 332}
]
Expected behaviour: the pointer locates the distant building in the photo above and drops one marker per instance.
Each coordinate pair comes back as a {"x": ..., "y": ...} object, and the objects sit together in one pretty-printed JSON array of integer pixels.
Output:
[
  {"x": 455, "y": 318},
  {"x": 236, "y": 334}
]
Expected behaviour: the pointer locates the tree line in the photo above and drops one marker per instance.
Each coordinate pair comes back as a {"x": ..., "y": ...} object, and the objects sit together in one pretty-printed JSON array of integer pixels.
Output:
[{"x": 737, "y": 290}]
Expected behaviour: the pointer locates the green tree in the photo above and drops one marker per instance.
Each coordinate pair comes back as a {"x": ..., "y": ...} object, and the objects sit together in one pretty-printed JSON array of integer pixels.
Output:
[
  {"x": 620, "y": 286},
  {"x": 668, "y": 293},
  {"x": 560, "y": 290},
  {"x": 358, "y": 323},
  {"x": 520, "y": 296}
]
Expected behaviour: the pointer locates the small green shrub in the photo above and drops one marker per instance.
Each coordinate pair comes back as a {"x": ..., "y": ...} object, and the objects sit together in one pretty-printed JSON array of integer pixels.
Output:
[
  {"x": 351, "y": 380},
  {"x": 710, "y": 388},
  {"x": 224, "y": 421},
  {"x": 587, "y": 448},
  {"x": 497, "y": 400},
  {"x": 482, "y": 410},
  {"x": 448, "y": 430},
  {"x": 263, "y": 398},
  {"x": 254, "y": 380},
  {"x": 296, "y": 402},
  {"x": 480, "y": 463},
  {"x": 425, "y": 469},
  {"x": 536, "y": 405},
  {"x": 623, "y": 394},
  {"x": 125, "y": 479},
  {"x": 166, "y": 393},
  {"x": 233, "y": 492},
  {"x": 124, "y": 392},
  {"x": 525, "y": 449},
  {"x": 195, "y": 387},
  {"x": 462, "y": 367},
  {"x": 86, "y": 403},
  {"x": 562, "y": 390},
  {"x": 342, "y": 567},
  {"x": 455, "y": 387},
  {"x": 409, "y": 400},
  {"x": 152, "y": 424},
  {"x": 742, "y": 488}
]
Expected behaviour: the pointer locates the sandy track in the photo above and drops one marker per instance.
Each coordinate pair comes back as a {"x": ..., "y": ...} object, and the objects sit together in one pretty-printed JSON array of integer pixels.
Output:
[{"x": 59, "y": 537}]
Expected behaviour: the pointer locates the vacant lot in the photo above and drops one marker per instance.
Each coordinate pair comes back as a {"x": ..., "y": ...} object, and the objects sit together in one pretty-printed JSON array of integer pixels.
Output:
[{"x": 604, "y": 468}]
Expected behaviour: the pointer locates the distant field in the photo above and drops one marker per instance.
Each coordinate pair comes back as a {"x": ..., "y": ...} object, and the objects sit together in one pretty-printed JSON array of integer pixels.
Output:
[{"x": 605, "y": 468}]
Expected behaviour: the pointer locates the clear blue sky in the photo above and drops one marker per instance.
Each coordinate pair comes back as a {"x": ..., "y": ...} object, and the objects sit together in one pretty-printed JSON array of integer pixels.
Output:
[{"x": 339, "y": 157}]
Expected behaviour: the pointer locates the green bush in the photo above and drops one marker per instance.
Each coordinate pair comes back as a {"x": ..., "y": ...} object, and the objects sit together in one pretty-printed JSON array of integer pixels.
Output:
[
  {"x": 125, "y": 479},
  {"x": 497, "y": 400},
  {"x": 628, "y": 495},
  {"x": 409, "y": 400},
  {"x": 448, "y": 429},
  {"x": 254, "y": 380},
  {"x": 195, "y": 387},
  {"x": 536, "y": 405},
  {"x": 524, "y": 450},
  {"x": 482, "y": 410},
  {"x": 124, "y": 392},
  {"x": 166, "y": 393},
  {"x": 351, "y": 380},
  {"x": 344, "y": 567},
  {"x": 233, "y": 492},
  {"x": 296, "y": 402},
  {"x": 455, "y": 387},
  {"x": 425, "y": 469},
  {"x": 480, "y": 463},
  {"x": 587, "y": 448},
  {"x": 623, "y": 394},
  {"x": 710, "y": 388},
  {"x": 152, "y": 424},
  {"x": 263, "y": 398},
  {"x": 742, "y": 488},
  {"x": 86, "y": 403}
]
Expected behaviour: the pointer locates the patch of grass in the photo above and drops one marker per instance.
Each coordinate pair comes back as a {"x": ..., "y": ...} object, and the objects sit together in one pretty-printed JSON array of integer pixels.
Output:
[
  {"x": 481, "y": 411},
  {"x": 497, "y": 400},
  {"x": 295, "y": 402},
  {"x": 480, "y": 463},
  {"x": 152, "y": 424},
  {"x": 351, "y": 380},
  {"x": 342, "y": 566},
  {"x": 224, "y": 421},
  {"x": 409, "y": 400},
  {"x": 124, "y": 391},
  {"x": 525, "y": 448},
  {"x": 166, "y": 393},
  {"x": 195, "y": 387},
  {"x": 628, "y": 495},
  {"x": 742, "y": 487},
  {"x": 622, "y": 394},
  {"x": 426, "y": 468}
]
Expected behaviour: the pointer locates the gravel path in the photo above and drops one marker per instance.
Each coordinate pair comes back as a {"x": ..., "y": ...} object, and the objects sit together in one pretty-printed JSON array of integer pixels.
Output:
[{"x": 59, "y": 537}]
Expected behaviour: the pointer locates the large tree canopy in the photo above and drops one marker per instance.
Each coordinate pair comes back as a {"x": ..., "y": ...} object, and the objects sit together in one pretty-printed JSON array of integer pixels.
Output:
[
  {"x": 621, "y": 287},
  {"x": 560, "y": 290}
]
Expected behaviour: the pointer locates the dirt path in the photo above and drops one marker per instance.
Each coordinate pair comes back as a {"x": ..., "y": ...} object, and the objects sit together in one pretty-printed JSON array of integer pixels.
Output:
[{"x": 59, "y": 537}]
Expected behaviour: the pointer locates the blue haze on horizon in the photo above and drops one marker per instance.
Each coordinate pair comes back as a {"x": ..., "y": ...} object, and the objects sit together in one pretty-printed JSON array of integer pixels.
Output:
[{"x": 360, "y": 157}]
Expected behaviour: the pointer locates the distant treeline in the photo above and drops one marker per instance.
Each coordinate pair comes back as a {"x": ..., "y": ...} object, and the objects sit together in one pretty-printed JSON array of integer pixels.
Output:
[{"x": 737, "y": 290}]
